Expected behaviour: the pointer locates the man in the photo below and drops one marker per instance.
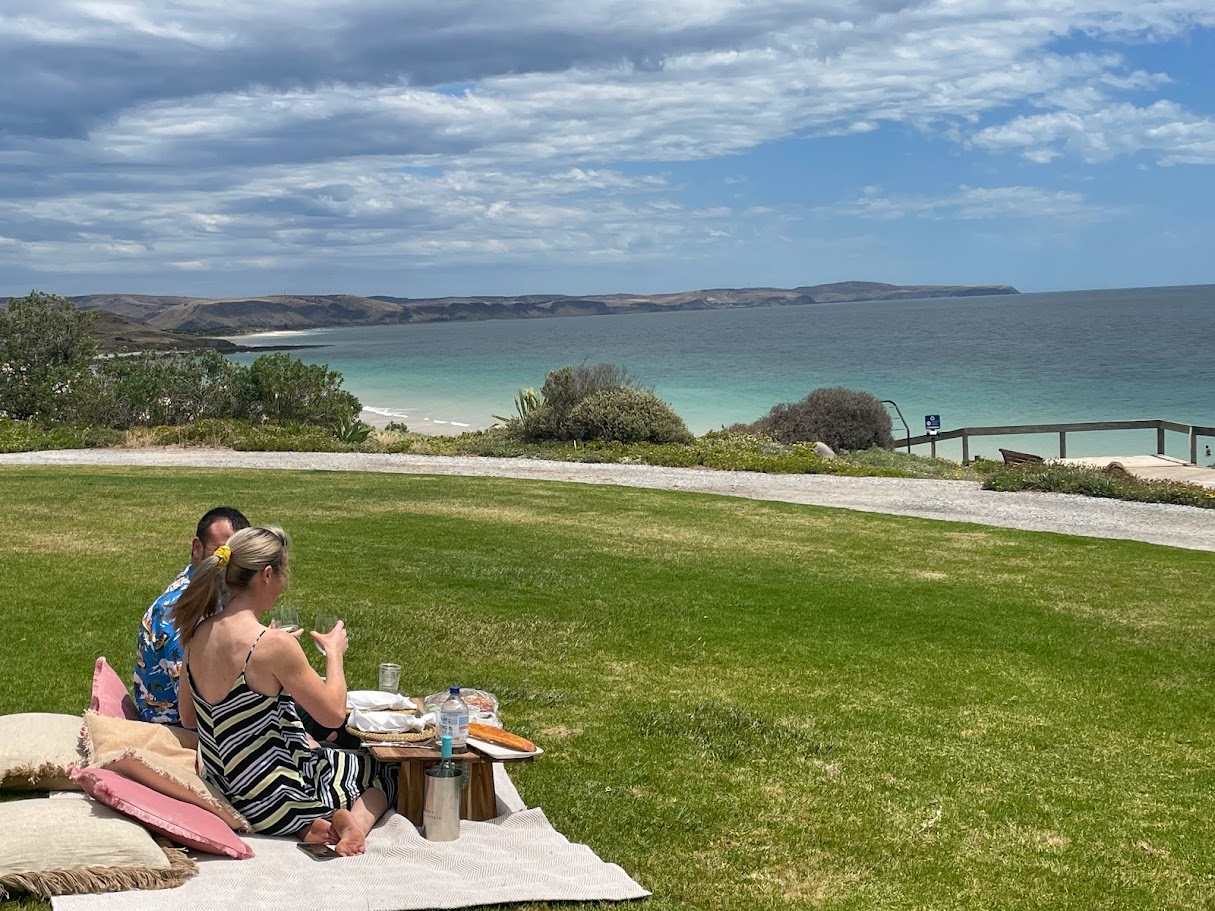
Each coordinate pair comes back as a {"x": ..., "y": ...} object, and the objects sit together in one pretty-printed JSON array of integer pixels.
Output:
[{"x": 158, "y": 651}]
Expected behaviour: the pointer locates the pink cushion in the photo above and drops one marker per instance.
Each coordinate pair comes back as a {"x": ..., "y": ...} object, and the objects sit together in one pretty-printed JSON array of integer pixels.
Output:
[
  {"x": 110, "y": 696},
  {"x": 180, "y": 822}
]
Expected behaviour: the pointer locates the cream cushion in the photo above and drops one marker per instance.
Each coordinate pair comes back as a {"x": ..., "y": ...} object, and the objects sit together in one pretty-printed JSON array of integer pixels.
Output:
[
  {"x": 159, "y": 756},
  {"x": 36, "y": 749},
  {"x": 61, "y": 847}
]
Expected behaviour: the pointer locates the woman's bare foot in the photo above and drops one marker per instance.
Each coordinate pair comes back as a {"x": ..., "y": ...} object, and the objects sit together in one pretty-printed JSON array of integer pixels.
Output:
[
  {"x": 351, "y": 838},
  {"x": 319, "y": 833}
]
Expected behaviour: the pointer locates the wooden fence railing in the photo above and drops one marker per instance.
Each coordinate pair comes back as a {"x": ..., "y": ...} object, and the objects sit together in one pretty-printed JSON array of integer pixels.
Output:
[{"x": 965, "y": 433}]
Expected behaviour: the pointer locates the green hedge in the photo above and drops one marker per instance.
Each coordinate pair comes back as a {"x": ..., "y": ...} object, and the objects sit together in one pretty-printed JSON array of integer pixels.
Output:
[{"x": 1112, "y": 483}]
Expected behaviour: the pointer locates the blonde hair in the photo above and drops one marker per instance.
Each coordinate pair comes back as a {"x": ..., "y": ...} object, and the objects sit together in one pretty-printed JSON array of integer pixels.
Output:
[{"x": 251, "y": 551}]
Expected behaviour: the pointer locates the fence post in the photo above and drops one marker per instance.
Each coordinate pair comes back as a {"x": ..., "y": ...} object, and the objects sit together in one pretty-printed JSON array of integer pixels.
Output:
[
  {"x": 966, "y": 449},
  {"x": 1159, "y": 441},
  {"x": 1193, "y": 445},
  {"x": 1063, "y": 444}
]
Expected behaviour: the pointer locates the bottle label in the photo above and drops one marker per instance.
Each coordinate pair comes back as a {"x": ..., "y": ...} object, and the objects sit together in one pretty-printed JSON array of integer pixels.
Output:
[{"x": 456, "y": 726}]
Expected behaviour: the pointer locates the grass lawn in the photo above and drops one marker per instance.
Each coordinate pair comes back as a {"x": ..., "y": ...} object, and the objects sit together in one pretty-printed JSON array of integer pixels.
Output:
[{"x": 744, "y": 704}]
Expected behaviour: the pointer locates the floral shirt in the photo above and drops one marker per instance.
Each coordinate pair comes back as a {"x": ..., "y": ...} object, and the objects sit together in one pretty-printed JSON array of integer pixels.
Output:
[{"x": 158, "y": 656}]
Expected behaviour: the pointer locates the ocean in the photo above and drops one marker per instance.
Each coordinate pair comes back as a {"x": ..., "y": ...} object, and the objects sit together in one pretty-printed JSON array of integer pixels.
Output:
[{"x": 1122, "y": 354}]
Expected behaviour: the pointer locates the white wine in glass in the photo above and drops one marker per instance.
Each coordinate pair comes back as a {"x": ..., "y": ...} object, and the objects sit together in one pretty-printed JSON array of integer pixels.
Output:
[{"x": 287, "y": 618}]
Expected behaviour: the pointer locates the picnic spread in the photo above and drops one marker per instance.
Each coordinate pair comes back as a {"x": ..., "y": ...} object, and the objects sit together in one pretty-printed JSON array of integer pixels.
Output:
[{"x": 146, "y": 830}]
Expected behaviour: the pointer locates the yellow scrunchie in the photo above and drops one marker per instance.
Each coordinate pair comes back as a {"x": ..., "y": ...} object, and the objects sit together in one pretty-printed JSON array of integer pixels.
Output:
[{"x": 223, "y": 554}]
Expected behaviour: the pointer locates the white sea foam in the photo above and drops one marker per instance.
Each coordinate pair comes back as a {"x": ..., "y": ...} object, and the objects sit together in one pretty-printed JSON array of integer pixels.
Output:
[{"x": 381, "y": 416}]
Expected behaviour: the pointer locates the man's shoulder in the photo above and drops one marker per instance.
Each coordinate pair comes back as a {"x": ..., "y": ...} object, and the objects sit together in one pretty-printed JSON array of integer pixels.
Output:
[{"x": 176, "y": 587}]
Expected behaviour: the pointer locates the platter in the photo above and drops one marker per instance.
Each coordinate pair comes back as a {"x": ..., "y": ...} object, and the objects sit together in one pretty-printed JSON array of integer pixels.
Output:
[{"x": 494, "y": 751}]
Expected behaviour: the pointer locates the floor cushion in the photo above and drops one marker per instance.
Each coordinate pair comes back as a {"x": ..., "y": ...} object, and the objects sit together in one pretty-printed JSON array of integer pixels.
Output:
[
  {"x": 62, "y": 847},
  {"x": 180, "y": 822},
  {"x": 161, "y": 756},
  {"x": 110, "y": 696},
  {"x": 36, "y": 749}
]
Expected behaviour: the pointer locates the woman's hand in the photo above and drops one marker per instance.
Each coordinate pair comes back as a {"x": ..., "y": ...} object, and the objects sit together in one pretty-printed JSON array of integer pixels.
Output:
[{"x": 334, "y": 642}]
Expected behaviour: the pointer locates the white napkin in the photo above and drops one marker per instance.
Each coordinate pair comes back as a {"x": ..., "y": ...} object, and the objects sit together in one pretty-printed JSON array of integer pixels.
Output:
[
  {"x": 389, "y": 722},
  {"x": 376, "y": 701}
]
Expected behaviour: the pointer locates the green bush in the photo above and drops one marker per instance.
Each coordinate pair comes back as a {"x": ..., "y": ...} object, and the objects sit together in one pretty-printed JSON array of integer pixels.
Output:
[
  {"x": 844, "y": 419},
  {"x": 45, "y": 353},
  {"x": 30, "y": 436},
  {"x": 548, "y": 417},
  {"x": 285, "y": 390},
  {"x": 244, "y": 436},
  {"x": 626, "y": 416},
  {"x": 152, "y": 389},
  {"x": 1113, "y": 483}
]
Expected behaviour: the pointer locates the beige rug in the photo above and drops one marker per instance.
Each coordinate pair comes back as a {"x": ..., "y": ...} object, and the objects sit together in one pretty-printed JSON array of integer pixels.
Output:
[{"x": 515, "y": 858}]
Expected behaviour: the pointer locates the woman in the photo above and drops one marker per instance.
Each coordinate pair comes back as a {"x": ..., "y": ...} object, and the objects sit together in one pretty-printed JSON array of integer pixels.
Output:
[{"x": 239, "y": 685}]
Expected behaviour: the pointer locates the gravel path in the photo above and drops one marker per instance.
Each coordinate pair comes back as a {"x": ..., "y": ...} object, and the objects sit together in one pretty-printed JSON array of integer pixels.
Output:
[{"x": 953, "y": 501}]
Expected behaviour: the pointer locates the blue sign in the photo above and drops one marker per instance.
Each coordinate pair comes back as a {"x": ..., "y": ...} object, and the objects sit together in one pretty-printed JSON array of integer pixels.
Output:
[{"x": 932, "y": 422}]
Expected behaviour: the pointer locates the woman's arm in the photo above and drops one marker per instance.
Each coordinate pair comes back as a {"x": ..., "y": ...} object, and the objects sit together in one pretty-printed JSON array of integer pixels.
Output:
[
  {"x": 185, "y": 699},
  {"x": 324, "y": 700}
]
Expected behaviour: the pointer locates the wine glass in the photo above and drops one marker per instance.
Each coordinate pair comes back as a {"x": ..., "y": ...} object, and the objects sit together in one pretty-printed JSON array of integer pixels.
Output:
[
  {"x": 324, "y": 624},
  {"x": 287, "y": 618}
]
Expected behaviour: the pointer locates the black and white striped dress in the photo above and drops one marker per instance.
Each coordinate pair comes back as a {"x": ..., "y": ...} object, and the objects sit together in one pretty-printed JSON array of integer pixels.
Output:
[{"x": 255, "y": 749}]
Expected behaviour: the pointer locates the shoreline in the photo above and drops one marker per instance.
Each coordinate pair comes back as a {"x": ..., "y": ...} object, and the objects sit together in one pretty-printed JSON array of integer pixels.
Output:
[{"x": 427, "y": 426}]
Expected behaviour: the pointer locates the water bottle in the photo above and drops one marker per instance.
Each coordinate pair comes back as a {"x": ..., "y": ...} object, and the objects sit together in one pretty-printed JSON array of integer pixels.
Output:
[{"x": 453, "y": 720}]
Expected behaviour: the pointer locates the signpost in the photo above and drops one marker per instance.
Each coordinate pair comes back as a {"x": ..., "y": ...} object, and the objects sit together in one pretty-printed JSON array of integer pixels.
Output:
[{"x": 932, "y": 424}]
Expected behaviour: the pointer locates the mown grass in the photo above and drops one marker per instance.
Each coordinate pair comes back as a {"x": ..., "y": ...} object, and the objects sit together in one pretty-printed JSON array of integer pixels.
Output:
[{"x": 745, "y": 704}]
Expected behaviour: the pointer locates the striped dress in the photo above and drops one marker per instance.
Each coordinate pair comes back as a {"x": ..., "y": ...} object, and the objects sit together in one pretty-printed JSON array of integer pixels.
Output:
[{"x": 255, "y": 749}]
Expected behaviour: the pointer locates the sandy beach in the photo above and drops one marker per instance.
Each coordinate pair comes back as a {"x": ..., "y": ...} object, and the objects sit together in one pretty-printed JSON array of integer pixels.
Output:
[{"x": 426, "y": 426}]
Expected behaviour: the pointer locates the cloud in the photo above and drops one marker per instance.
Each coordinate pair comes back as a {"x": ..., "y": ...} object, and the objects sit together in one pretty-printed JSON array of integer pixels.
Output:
[
  {"x": 971, "y": 204},
  {"x": 1164, "y": 130},
  {"x": 205, "y": 133}
]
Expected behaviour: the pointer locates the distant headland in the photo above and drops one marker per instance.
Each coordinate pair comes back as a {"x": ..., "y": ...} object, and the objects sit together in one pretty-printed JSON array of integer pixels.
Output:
[{"x": 194, "y": 316}]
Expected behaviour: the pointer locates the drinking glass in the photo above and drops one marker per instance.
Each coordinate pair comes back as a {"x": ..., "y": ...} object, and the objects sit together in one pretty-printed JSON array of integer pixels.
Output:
[
  {"x": 390, "y": 678},
  {"x": 324, "y": 624},
  {"x": 287, "y": 618}
]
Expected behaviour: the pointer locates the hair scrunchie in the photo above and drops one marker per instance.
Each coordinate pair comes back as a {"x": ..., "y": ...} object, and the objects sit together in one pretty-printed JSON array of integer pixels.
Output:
[{"x": 223, "y": 554}]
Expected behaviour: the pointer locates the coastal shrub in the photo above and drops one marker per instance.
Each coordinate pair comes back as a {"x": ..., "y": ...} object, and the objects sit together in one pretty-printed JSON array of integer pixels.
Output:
[
  {"x": 285, "y": 390},
  {"x": 31, "y": 436},
  {"x": 844, "y": 419},
  {"x": 1112, "y": 482},
  {"x": 152, "y": 389},
  {"x": 45, "y": 352},
  {"x": 246, "y": 436},
  {"x": 627, "y": 416},
  {"x": 563, "y": 390}
]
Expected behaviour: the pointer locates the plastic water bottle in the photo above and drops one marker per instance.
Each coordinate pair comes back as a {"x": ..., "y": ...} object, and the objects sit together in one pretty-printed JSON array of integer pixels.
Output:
[{"x": 453, "y": 720}]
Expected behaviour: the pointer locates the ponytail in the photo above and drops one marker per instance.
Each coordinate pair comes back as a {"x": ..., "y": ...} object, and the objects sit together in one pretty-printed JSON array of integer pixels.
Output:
[{"x": 231, "y": 567}]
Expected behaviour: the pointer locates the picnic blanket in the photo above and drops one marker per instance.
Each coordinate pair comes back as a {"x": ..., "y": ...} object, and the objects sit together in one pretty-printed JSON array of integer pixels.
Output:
[{"x": 516, "y": 857}]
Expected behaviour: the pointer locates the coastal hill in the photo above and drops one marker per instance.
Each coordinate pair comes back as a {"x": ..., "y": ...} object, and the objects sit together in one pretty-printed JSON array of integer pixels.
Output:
[{"x": 232, "y": 316}]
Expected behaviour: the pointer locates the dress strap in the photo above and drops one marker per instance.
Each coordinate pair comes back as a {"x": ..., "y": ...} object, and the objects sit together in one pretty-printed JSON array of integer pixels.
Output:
[{"x": 251, "y": 648}]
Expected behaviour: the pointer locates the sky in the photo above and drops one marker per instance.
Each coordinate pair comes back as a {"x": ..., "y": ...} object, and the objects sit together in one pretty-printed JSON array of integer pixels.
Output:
[{"x": 422, "y": 148}]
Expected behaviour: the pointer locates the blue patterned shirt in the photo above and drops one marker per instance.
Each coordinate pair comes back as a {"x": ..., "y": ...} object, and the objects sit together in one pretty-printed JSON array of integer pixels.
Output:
[{"x": 158, "y": 656}]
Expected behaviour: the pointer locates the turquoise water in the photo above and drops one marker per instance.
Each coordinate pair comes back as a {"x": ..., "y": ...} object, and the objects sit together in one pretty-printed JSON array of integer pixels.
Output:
[{"x": 1032, "y": 358}]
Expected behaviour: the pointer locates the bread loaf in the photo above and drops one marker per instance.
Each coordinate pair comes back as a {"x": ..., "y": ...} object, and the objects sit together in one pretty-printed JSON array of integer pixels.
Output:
[{"x": 500, "y": 737}]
